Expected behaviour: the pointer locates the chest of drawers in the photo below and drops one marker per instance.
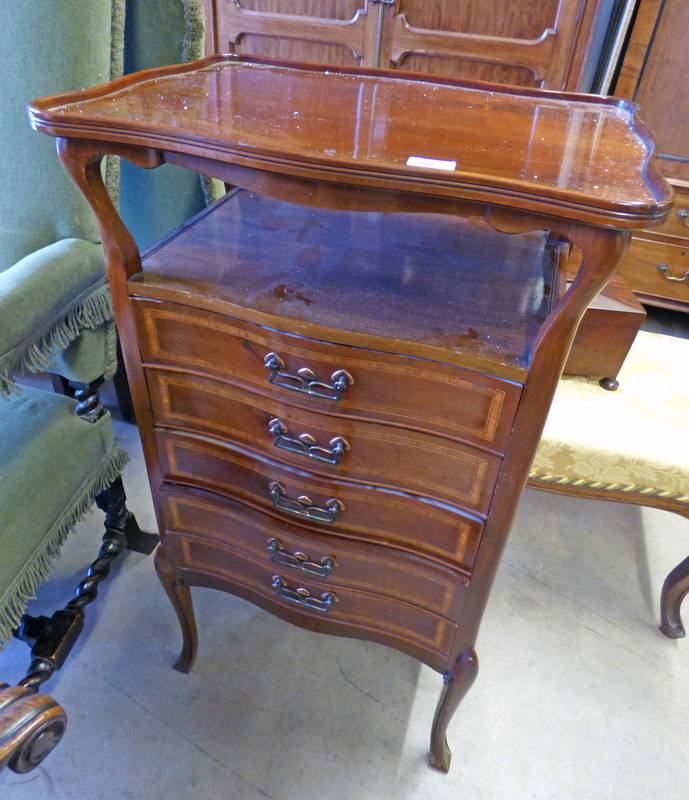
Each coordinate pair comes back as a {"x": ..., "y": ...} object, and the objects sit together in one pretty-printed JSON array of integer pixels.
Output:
[{"x": 341, "y": 370}]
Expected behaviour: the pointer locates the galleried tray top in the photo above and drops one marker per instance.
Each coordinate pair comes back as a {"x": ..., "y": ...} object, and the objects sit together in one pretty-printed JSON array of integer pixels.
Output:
[{"x": 575, "y": 156}]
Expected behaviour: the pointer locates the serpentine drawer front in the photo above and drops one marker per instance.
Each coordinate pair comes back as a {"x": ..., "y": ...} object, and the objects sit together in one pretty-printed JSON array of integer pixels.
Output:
[
  {"x": 300, "y": 554},
  {"x": 361, "y": 451},
  {"x": 391, "y": 518},
  {"x": 341, "y": 369},
  {"x": 425, "y": 635},
  {"x": 325, "y": 377}
]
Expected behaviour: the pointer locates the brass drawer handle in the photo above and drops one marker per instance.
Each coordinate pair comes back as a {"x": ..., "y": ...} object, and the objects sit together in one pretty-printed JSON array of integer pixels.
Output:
[
  {"x": 303, "y": 506},
  {"x": 306, "y": 381},
  {"x": 307, "y": 445},
  {"x": 303, "y": 597},
  {"x": 299, "y": 561},
  {"x": 664, "y": 270},
  {"x": 683, "y": 215}
]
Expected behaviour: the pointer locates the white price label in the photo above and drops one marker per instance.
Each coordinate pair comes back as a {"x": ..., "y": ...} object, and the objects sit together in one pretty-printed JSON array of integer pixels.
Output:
[{"x": 431, "y": 163}]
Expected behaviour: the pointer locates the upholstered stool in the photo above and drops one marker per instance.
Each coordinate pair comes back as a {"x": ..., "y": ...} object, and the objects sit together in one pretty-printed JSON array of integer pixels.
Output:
[{"x": 628, "y": 446}]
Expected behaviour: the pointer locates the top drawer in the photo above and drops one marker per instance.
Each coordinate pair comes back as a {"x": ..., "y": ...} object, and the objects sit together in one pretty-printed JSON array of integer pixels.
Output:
[{"x": 347, "y": 381}]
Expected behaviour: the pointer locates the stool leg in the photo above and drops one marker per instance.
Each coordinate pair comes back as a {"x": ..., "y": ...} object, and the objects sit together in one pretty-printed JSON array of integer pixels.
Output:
[
  {"x": 457, "y": 683},
  {"x": 675, "y": 588},
  {"x": 180, "y": 597}
]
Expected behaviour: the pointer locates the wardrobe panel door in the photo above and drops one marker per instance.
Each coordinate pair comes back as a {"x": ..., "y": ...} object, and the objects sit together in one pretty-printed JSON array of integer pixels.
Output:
[
  {"x": 519, "y": 42},
  {"x": 320, "y": 31}
]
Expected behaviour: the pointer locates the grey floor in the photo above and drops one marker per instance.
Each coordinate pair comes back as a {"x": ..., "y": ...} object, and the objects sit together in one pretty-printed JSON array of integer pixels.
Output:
[{"x": 578, "y": 696}]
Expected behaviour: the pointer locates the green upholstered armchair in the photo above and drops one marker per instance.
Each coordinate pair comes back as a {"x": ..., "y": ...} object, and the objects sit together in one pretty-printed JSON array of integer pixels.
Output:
[
  {"x": 58, "y": 452},
  {"x": 52, "y": 277}
]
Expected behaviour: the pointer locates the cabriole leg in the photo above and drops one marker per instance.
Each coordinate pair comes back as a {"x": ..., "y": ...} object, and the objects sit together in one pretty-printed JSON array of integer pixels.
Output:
[
  {"x": 180, "y": 597},
  {"x": 457, "y": 683},
  {"x": 675, "y": 588}
]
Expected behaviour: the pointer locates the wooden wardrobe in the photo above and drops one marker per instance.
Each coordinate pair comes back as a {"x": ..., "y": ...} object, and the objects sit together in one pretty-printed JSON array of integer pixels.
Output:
[{"x": 519, "y": 42}]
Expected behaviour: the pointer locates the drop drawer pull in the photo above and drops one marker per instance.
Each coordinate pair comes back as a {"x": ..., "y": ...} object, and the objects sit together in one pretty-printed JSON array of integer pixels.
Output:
[
  {"x": 303, "y": 597},
  {"x": 299, "y": 561},
  {"x": 664, "y": 270},
  {"x": 306, "y": 381},
  {"x": 303, "y": 506},
  {"x": 307, "y": 445}
]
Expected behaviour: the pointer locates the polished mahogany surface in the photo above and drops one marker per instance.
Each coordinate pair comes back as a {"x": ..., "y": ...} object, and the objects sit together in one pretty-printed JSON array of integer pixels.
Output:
[
  {"x": 362, "y": 356},
  {"x": 459, "y": 287},
  {"x": 473, "y": 140},
  {"x": 394, "y": 519}
]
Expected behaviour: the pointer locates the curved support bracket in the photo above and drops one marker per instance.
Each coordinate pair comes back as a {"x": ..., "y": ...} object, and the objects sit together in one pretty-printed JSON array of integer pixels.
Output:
[
  {"x": 81, "y": 159},
  {"x": 507, "y": 220}
]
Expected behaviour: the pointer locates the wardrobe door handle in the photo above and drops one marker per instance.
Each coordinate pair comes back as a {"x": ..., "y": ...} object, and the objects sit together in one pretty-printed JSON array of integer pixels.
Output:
[
  {"x": 305, "y": 380},
  {"x": 307, "y": 445},
  {"x": 299, "y": 561},
  {"x": 303, "y": 597}
]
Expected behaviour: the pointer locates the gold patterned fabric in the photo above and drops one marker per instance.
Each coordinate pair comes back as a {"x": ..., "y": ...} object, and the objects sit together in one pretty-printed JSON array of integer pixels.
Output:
[{"x": 633, "y": 440}]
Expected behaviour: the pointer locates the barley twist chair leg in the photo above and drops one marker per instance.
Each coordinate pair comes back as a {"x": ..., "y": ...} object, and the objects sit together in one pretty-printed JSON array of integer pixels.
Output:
[{"x": 32, "y": 724}]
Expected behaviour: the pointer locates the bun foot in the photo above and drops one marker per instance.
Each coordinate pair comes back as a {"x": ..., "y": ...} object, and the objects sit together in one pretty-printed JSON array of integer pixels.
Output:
[
  {"x": 457, "y": 682},
  {"x": 609, "y": 384},
  {"x": 180, "y": 597}
]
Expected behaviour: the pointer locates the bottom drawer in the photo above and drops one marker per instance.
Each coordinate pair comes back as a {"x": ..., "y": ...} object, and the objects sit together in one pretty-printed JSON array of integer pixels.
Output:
[
  {"x": 298, "y": 552},
  {"x": 313, "y": 604},
  {"x": 640, "y": 268},
  {"x": 309, "y": 601}
]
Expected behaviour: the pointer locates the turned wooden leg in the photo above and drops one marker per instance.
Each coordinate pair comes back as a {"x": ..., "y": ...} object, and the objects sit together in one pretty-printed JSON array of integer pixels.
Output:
[
  {"x": 675, "y": 588},
  {"x": 32, "y": 724},
  {"x": 118, "y": 518},
  {"x": 457, "y": 683},
  {"x": 180, "y": 597}
]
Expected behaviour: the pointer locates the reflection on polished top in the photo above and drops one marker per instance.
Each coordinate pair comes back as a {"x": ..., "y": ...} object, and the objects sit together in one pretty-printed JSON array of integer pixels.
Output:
[{"x": 429, "y": 133}]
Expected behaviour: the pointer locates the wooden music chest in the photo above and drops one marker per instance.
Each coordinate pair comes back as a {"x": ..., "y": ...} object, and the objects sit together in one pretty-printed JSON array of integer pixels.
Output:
[{"x": 341, "y": 370}]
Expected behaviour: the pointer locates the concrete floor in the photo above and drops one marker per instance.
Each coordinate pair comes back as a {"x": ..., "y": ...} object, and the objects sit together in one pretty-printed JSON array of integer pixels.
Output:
[{"x": 579, "y": 695}]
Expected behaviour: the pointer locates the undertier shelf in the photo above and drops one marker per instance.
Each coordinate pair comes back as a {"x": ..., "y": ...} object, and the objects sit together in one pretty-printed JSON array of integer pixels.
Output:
[{"x": 457, "y": 289}]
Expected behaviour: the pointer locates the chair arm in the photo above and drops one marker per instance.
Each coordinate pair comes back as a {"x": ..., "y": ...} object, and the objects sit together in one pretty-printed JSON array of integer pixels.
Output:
[
  {"x": 31, "y": 726},
  {"x": 46, "y": 300}
]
